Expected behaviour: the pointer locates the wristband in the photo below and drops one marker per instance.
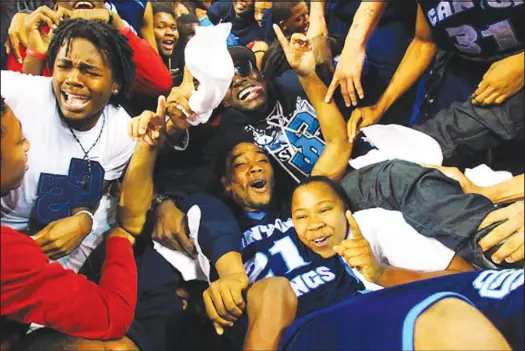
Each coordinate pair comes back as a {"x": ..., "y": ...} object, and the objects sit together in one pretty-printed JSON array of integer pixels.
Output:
[
  {"x": 88, "y": 213},
  {"x": 36, "y": 54},
  {"x": 158, "y": 200}
]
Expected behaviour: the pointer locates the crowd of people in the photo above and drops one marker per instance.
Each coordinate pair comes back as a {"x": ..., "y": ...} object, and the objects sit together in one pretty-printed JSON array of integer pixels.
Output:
[{"x": 262, "y": 175}]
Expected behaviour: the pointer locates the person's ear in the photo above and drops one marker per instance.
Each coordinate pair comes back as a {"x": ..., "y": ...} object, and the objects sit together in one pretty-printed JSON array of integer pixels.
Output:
[
  {"x": 115, "y": 88},
  {"x": 226, "y": 184},
  {"x": 283, "y": 26}
]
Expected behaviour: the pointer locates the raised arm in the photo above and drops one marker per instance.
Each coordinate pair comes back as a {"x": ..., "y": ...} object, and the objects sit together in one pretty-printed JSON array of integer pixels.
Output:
[
  {"x": 417, "y": 58},
  {"x": 146, "y": 30},
  {"x": 137, "y": 187},
  {"x": 350, "y": 66},
  {"x": 334, "y": 159}
]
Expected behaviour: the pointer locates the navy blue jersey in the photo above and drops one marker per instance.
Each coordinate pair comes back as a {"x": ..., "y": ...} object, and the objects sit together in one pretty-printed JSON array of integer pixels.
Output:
[
  {"x": 385, "y": 319},
  {"x": 482, "y": 29},
  {"x": 270, "y": 247}
]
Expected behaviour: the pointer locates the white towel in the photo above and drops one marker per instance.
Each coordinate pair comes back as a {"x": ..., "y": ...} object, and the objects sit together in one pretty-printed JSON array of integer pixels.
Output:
[
  {"x": 398, "y": 142},
  {"x": 483, "y": 175},
  {"x": 189, "y": 268},
  {"x": 209, "y": 61}
]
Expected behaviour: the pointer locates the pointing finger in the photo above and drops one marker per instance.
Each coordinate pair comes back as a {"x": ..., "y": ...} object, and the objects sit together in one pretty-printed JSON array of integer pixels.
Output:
[
  {"x": 144, "y": 122},
  {"x": 161, "y": 106},
  {"x": 356, "y": 232},
  {"x": 280, "y": 36}
]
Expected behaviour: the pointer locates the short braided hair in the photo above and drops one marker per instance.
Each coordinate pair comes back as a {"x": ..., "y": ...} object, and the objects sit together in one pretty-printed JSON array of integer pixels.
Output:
[{"x": 114, "y": 48}]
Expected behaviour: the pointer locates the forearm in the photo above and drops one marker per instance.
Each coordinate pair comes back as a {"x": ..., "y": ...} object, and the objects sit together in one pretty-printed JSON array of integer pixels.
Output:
[
  {"x": 229, "y": 263},
  {"x": 149, "y": 37},
  {"x": 146, "y": 31},
  {"x": 505, "y": 192},
  {"x": 33, "y": 65},
  {"x": 137, "y": 189},
  {"x": 365, "y": 21},
  {"x": 59, "y": 298},
  {"x": 317, "y": 19},
  {"x": 330, "y": 118},
  {"x": 417, "y": 58},
  {"x": 393, "y": 276},
  {"x": 334, "y": 159}
]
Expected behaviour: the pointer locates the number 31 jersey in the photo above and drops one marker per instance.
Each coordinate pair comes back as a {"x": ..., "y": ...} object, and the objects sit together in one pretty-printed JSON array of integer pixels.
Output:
[
  {"x": 270, "y": 247},
  {"x": 477, "y": 29}
]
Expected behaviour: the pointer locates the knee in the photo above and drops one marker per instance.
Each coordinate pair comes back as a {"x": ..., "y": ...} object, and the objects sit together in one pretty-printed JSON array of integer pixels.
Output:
[
  {"x": 275, "y": 291},
  {"x": 454, "y": 324}
]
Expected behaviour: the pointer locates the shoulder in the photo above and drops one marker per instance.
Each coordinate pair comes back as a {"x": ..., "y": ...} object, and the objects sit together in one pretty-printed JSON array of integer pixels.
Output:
[
  {"x": 212, "y": 208},
  {"x": 19, "y": 89},
  {"x": 117, "y": 120},
  {"x": 117, "y": 115}
]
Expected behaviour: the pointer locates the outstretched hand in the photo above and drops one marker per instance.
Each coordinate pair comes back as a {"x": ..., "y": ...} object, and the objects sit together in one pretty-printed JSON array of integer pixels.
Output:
[{"x": 299, "y": 52}]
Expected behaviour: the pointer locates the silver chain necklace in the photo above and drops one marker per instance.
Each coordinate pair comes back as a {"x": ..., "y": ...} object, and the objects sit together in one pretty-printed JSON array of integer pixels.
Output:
[{"x": 87, "y": 178}]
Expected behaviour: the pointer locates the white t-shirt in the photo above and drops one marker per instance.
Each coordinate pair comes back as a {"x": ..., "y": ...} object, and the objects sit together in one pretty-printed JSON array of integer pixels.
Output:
[
  {"x": 395, "y": 243},
  {"x": 53, "y": 146}
]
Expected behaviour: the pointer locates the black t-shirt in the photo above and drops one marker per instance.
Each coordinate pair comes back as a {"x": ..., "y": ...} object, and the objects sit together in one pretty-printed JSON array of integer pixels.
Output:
[{"x": 477, "y": 29}]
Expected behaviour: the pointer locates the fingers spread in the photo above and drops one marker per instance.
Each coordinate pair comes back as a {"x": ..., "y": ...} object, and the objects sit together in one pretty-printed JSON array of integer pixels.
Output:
[{"x": 331, "y": 89}]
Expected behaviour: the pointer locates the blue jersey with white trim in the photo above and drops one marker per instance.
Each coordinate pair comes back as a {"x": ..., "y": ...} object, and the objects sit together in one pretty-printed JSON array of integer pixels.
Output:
[{"x": 270, "y": 247}]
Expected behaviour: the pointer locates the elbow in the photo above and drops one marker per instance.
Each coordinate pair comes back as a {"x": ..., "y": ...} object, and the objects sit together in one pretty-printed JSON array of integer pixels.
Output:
[{"x": 119, "y": 325}]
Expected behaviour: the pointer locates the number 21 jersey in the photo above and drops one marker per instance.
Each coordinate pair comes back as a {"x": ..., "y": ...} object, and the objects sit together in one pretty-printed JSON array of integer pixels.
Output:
[{"x": 270, "y": 247}]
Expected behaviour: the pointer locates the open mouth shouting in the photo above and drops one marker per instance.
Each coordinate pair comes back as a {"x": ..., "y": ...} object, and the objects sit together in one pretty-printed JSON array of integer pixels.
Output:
[
  {"x": 74, "y": 102},
  {"x": 259, "y": 185},
  {"x": 249, "y": 93},
  {"x": 168, "y": 44},
  {"x": 84, "y": 5}
]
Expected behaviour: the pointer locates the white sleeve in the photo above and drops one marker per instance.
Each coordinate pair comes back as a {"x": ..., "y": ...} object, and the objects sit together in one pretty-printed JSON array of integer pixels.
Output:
[
  {"x": 122, "y": 146},
  {"x": 397, "y": 244}
]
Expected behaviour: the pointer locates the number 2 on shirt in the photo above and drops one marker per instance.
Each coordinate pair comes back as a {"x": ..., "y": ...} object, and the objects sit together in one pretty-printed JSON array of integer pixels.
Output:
[{"x": 284, "y": 247}]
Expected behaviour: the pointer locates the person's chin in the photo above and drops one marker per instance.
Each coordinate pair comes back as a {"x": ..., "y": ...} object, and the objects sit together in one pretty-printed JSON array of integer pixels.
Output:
[
  {"x": 261, "y": 201},
  {"x": 326, "y": 253},
  {"x": 255, "y": 105}
]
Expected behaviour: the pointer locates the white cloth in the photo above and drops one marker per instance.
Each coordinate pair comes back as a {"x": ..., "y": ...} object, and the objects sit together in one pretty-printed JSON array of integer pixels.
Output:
[
  {"x": 209, "y": 61},
  {"x": 398, "y": 142},
  {"x": 483, "y": 175},
  {"x": 395, "y": 243},
  {"x": 52, "y": 147},
  {"x": 189, "y": 268}
]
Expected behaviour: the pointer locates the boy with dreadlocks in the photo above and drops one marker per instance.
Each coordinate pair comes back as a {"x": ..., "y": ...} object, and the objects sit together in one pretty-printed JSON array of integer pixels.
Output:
[{"x": 79, "y": 138}]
